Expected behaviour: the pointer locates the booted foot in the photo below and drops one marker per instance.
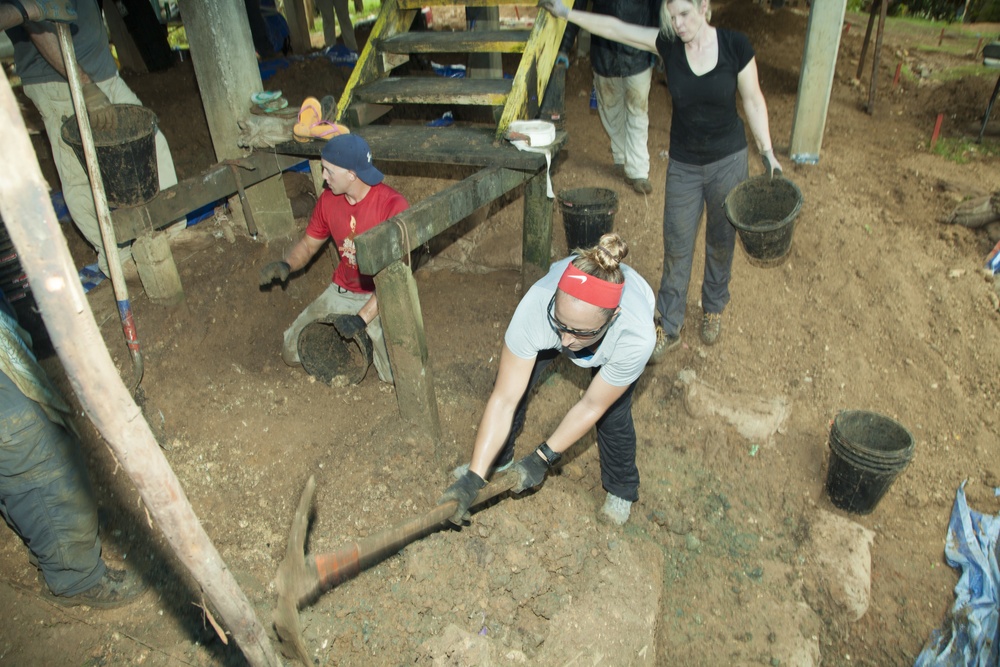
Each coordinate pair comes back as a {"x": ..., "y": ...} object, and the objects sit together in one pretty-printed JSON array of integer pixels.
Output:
[
  {"x": 640, "y": 185},
  {"x": 664, "y": 343},
  {"x": 711, "y": 327},
  {"x": 616, "y": 510},
  {"x": 116, "y": 588},
  {"x": 618, "y": 169},
  {"x": 458, "y": 472}
]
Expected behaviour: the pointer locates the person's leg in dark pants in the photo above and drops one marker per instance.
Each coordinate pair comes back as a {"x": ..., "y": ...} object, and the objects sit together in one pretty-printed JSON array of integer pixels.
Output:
[
  {"x": 542, "y": 362},
  {"x": 720, "y": 235},
  {"x": 684, "y": 202},
  {"x": 616, "y": 446},
  {"x": 45, "y": 494}
]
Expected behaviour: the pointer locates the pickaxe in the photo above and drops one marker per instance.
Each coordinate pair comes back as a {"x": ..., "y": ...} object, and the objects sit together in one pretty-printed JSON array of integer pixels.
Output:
[{"x": 302, "y": 578}]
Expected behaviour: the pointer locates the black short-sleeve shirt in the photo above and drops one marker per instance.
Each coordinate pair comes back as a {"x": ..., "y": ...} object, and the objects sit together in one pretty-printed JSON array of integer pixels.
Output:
[{"x": 705, "y": 126}]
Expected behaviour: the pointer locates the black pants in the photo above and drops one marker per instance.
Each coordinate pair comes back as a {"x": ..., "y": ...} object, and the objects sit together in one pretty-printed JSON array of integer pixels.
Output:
[{"x": 615, "y": 436}]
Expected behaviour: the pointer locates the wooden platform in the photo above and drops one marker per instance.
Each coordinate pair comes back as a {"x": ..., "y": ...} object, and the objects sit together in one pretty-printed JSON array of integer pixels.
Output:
[{"x": 455, "y": 145}]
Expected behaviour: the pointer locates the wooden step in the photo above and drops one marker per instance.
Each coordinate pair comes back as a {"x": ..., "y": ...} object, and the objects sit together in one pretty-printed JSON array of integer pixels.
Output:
[
  {"x": 483, "y": 41},
  {"x": 435, "y": 90}
]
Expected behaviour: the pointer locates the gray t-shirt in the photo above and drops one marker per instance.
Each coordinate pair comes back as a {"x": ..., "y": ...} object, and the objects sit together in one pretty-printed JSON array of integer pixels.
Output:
[
  {"x": 90, "y": 41},
  {"x": 626, "y": 346}
]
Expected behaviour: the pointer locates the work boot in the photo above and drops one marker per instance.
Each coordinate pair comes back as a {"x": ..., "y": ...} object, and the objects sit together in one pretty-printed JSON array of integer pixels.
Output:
[
  {"x": 664, "y": 343},
  {"x": 711, "y": 327},
  {"x": 616, "y": 510},
  {"x": 116, "y": 588},
  {"x": 640, "y": 185}
]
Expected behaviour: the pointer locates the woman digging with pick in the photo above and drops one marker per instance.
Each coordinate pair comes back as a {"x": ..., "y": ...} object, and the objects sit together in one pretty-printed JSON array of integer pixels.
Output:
[{"x": 598, "y": 312}]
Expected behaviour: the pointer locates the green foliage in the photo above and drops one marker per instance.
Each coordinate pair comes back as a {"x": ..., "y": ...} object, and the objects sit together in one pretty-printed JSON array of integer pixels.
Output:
[{"x": 964, "y": 150}]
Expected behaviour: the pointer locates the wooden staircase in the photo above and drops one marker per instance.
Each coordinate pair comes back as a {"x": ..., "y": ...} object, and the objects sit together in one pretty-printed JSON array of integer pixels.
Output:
[{"x": 392, "y": 44}]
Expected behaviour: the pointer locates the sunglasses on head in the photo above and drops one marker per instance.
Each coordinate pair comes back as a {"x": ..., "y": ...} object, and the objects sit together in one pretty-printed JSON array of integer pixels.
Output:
[{"x": 561, "y": 328}]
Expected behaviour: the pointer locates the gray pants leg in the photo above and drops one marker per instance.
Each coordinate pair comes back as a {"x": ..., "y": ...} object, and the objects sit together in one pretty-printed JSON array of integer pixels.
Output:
[
  {"x": 689, "y": 188},
  {"x": 45, "y": 495}
]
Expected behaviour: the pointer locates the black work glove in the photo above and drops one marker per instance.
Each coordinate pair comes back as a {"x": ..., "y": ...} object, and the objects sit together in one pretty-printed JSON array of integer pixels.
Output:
[
  {"x": 348, "y": 326},
  {"x": 771, "y": 165},
  {"x": 274, "y": 271},
  {"x": 554, "y": 7},
  {"x": 532, "y": 468},
  {"x": 99, "y": 108},
  {"x": 464, "y": 491}
]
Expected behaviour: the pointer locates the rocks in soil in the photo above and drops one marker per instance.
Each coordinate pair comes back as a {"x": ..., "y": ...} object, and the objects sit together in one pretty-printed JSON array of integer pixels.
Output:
[
  {"x": 756, "y": 419},
  {"x": 840, "y": 551}
]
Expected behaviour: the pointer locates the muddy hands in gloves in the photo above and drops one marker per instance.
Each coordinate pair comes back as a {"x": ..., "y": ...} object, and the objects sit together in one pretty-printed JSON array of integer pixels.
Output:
[{"x": 530, "y": 471}]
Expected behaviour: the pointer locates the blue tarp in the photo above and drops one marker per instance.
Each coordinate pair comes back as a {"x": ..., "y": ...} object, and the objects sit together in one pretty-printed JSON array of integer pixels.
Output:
[{"x": 971, "y": 638}]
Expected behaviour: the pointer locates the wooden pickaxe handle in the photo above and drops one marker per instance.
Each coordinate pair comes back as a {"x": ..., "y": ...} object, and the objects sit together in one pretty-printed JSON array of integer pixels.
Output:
[{"x": 338, "y": 566}]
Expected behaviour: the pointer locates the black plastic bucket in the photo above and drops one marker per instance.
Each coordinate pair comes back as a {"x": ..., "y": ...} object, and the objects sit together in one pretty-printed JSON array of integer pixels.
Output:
[
  {"x": 126, "y": 154},
  {"x": 867, "y": 453},
  {"x": 325, "y": 354},
  {"x": 588, "y": 214},
  {"x": 763, "y": 211}
]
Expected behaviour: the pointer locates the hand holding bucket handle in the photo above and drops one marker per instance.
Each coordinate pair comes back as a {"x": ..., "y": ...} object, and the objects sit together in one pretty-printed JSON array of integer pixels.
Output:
[{"x": 771, "y": 165}]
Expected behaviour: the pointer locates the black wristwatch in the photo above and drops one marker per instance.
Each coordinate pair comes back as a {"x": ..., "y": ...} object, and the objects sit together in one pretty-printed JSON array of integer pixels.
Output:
[{"x": 546, "y": 454}]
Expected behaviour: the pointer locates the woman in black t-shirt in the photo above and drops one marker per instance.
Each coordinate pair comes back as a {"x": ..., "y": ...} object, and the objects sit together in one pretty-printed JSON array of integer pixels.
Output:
[{"x": 705, "y": 68}]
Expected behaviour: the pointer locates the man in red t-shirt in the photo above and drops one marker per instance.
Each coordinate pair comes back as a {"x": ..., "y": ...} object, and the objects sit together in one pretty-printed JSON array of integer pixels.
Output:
[{"x": 356, "y": 201}]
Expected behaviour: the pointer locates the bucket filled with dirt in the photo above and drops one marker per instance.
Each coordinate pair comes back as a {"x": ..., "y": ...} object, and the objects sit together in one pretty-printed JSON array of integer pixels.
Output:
[
  {"x": 126, "y": 154},
  {"x": 331, "y": 358},
  {"x": 588, "y": 214},
  {"x": 763, "y": 211},
  {"x": 867, "y": 453}
]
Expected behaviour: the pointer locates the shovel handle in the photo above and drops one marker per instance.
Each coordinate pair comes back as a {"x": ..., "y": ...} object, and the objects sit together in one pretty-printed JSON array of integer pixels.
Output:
[{"x": 338, "y": 566}]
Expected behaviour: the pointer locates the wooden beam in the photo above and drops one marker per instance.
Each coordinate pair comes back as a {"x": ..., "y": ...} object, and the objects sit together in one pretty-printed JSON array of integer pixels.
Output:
[
  {"x": 298, "y": 26},
  {"x": 460, "y": 41},
  {"x": 128, "y": 53},
  {"x": 209, "y": 186},
  {"x": 435, "y": 90},
  {"x": 386, "y": 243},
  {"x": 533, "y": 73},
  {"x": 227, "y": 72},
  {"x": 403, "y": 327},
  {"x": 418, "y": 4},
  {"x": 536, "y": 242}
]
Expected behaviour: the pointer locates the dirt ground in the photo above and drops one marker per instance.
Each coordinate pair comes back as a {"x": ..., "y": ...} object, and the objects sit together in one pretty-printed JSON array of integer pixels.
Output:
[{"x": 878, "y": 307}]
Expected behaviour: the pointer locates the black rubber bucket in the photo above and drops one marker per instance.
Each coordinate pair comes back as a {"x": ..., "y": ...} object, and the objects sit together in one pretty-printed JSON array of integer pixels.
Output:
[
  {"x": 763, "y": 211},
  {"x": 325, "y": 354},
  {"x": 588, "y": 214},
  {"x": 126, "y": 154},
  {"x": 867, "y": 453}
]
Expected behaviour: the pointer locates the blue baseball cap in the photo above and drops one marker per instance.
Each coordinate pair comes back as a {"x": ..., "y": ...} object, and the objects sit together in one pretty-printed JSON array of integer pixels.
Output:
[{"x": 349, "y": 151}]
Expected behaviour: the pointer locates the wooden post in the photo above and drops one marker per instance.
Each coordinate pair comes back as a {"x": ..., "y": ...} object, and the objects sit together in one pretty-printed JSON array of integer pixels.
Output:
[
  {"x": 226, "y": 67},
  {"x": 298, "y": 26},
  {"x": 41, "y": 247},
  {"x": 819, "y": 64},
  {"x": 536, "y": 243},
  {"x": 867, "y": 39},
  {"x": 128, "y": 53},
  {"x": 157, "y": 269},
  {"x": 873, "y": 84},
  {"x": 403, "y": 326}
]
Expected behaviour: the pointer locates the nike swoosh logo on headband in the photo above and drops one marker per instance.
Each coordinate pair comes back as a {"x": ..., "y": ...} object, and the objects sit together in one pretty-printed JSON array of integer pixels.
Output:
[{"x": 582, "y": 279}]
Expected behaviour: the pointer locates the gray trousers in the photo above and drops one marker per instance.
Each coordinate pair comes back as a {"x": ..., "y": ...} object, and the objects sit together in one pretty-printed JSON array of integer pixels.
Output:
[
  {"x": 45, "y": 495},
  {"x": 689, "y": 190}
]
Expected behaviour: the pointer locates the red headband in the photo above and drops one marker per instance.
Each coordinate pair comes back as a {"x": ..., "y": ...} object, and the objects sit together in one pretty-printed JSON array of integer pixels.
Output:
[{"x": 590, "y": 289}]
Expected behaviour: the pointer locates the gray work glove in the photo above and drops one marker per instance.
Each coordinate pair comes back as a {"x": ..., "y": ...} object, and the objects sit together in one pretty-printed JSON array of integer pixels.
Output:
[
  {"x": 349, "y": 326},
  {"x": 99, "y": 108},
  {"x": 562, "y": 59},
  {"x": 464, "y": 491},
  {"x": 274, "y": 271},
  {"x": 532, "y": 468},
  {"x": 771, "y": 165},
  {"x": 554, "y": 7}
]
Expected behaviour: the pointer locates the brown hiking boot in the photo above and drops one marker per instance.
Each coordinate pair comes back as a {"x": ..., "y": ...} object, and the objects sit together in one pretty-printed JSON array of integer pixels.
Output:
[
  {"x": 711, "y": 327},
  {"x": 664, "y": 343},
  {"x": 116, "y": 588}
]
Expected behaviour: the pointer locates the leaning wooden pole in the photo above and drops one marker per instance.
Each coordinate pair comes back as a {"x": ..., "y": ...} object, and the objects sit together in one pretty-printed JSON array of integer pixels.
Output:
[{"x": 31, "y": 222}]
